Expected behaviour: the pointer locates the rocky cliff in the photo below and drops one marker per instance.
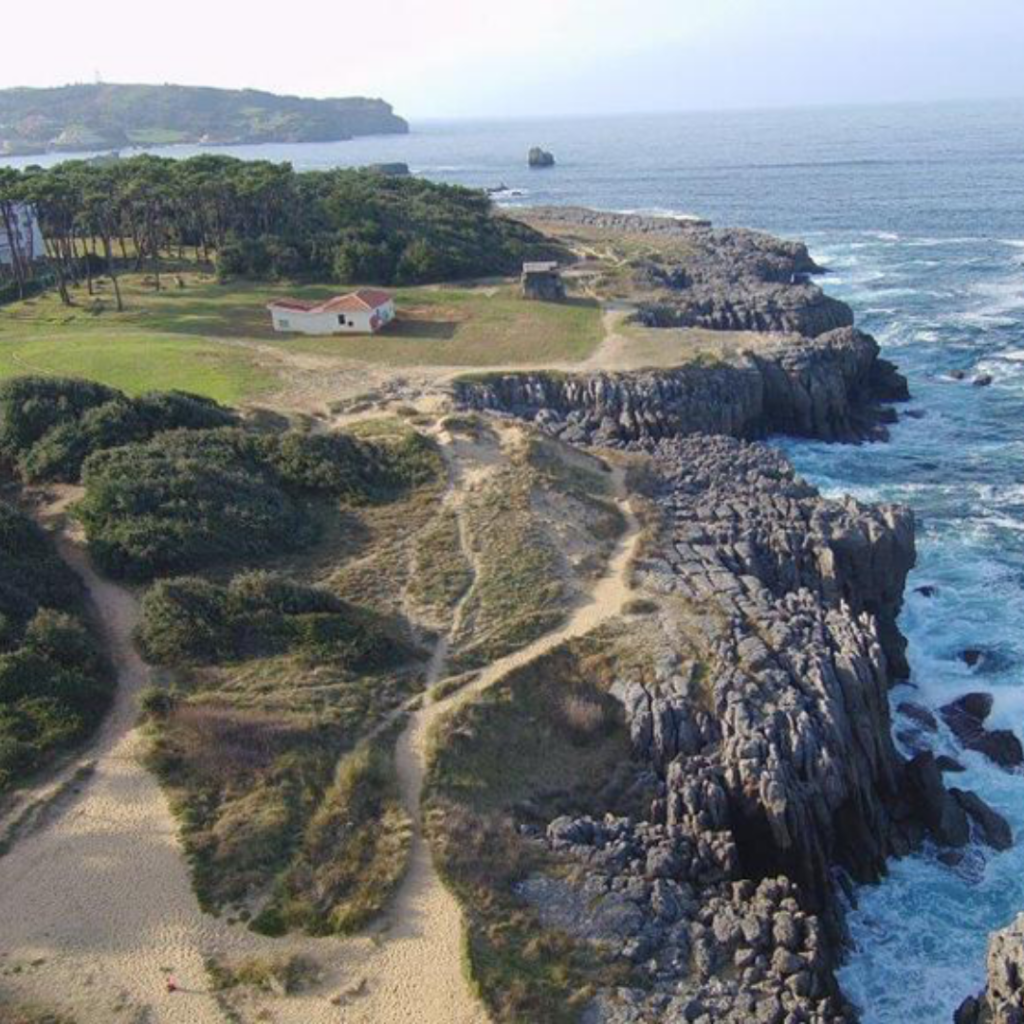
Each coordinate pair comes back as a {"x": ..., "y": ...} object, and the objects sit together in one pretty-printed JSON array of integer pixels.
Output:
[
  {"x": 767, "y": 728},
  {"x": 829, "y": 387}
]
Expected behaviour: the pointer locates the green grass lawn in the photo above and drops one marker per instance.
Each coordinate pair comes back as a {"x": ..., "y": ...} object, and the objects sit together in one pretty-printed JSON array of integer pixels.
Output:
[
  {"x": 132, "y": 351},
  {"x": 195, "y": 337}
]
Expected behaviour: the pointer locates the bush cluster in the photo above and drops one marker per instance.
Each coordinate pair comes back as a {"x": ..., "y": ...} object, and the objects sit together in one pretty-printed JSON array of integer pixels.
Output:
[
  {"x": 186, "y": 499},
  {"x": 191, "y": 621},
  {"x": 50, "y": 425},
  {"x": 54, "y": 684}
]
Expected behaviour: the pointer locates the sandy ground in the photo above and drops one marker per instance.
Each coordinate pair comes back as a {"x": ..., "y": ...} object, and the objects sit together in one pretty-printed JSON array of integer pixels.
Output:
[{"x": 96, "y": 906}]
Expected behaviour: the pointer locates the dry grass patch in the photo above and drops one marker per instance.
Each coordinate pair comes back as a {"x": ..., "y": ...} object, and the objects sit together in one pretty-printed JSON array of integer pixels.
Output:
[
  {"x": 283, "y": 975},
  {"x": 548, "y": 740},
  {"x": 354, "y": 850},
  {"x": 441, "y": 572},
  {"x": 540, "y": 528}
]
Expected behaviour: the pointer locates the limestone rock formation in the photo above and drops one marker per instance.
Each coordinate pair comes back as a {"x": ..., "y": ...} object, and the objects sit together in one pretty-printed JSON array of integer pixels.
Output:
[
  {"x": 728, "y": 279},
  {"x": 828, "y": 387},
  {"x": 771, "y": 748}
]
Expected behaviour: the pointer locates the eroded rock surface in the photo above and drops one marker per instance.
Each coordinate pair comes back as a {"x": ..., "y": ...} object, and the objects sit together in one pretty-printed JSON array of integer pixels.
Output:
[
  {"x": 830, "y": 388},
  {"x": 730, "y": 279},
  {"x": 770, "y": 743}
]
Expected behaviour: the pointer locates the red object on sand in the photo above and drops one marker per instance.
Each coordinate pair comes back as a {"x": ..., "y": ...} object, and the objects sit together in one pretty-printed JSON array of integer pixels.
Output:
[{"x": 172, "y": 985}]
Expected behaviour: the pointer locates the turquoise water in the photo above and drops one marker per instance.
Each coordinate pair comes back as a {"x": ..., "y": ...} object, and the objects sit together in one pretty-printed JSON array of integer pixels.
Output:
[{"x": 919, "y": 212}]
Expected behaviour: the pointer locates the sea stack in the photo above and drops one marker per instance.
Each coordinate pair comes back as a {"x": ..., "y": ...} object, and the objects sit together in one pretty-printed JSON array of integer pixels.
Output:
[{"x": 541, "y": 158}]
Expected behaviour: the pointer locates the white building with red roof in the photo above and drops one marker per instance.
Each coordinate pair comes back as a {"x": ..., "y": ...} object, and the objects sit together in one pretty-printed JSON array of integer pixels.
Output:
[{"x": 362, "y": 312}]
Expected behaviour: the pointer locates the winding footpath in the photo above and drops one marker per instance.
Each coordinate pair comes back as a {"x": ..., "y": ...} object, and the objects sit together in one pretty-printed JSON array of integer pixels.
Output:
[{"x": 96, "y": 902}]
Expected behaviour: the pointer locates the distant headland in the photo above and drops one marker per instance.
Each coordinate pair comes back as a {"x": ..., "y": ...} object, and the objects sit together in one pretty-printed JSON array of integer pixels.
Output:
[{"x": 80, "y": 118}]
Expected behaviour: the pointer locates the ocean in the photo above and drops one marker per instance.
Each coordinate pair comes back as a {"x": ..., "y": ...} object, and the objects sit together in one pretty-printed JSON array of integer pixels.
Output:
[{"x": 918, "y": 212}]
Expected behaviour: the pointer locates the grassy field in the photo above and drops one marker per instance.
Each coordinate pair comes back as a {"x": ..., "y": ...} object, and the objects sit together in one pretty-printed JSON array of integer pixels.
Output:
[
  {"x": 134, "y": 351},
  {"x": 207, "y": 337}
]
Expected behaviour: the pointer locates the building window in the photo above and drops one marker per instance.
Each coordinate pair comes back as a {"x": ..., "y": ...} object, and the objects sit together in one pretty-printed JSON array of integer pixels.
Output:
[
  {"x": 341, "y": 321},
  {"x": 284, "y": 324}
]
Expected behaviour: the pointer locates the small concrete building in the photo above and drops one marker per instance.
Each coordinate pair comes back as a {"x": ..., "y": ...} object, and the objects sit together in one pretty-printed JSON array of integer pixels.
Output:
[
  {"x": 543, "y": 282},
  {"x": 363, "y": 312}
]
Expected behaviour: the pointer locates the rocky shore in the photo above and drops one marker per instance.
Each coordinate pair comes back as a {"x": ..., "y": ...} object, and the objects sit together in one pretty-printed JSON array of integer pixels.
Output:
[
  {"x": 730, "y": 279},
  {"x": 831, "y": 387},
  {"x": 768, "y": 734}
]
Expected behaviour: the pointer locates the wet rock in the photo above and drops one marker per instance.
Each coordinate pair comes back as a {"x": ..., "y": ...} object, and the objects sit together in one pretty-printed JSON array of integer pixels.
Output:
[
  {"x": 969, "y": 1012},
  {"x": 983, "y": 380},
  {"x": 919, "y": 715},
  {"x": 941, "y": 812},
  {"x": 927, "y": 591},
  {"x": 972, "y": 708},
  {"x": 994, "y": 828},
  {"x": 949, "y": 764},
  {"x": 966, "y": 718}
]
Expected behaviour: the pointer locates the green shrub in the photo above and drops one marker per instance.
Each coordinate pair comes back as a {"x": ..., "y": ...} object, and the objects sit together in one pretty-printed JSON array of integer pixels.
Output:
[
  {"x": 31, "y": 576},
  {"x": 190, "y": 621},
  {"x": 54, "y": 684},
  {"x": 49, "y": 426},
  {"x": 156, "y": 508},
  {"x": 189, "y": 498}
]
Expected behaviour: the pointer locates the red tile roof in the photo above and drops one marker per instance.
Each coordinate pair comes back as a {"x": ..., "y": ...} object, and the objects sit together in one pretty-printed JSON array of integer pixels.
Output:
[{"x": 354, "y": 302}]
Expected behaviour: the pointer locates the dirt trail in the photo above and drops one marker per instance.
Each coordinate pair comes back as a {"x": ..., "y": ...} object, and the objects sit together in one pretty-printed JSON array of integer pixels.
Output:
[
  {"x": 419, "y": 976},
  {"x": 103, "y": 892},
  {"x": 96, "y": 903}
]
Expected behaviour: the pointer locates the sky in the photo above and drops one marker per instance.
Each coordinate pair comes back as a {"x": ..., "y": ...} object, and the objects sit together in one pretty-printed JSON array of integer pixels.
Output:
[{"x": 485, "y": 58}]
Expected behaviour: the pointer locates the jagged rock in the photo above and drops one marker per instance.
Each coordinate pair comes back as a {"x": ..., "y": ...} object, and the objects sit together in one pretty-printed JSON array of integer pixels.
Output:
[
  {"x": 540, "y": 158},
  {"x": 918, "y": 714},
  {"x": 949, "y": 764},
  {"x": 941, "y": 811},
  {"x": 966, "y": 718},
  {"x": 826, "y": 387},
  {"x": 995, "y": 829},
  {"x": 983, "y": 380}
]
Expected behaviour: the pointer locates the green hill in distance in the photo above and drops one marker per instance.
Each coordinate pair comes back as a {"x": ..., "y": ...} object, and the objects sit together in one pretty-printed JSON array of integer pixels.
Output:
[{"x": 78, "y": 118}]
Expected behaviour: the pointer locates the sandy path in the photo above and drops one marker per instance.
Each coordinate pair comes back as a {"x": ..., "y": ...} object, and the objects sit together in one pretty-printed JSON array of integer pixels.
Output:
[
  {"x": 419, "y": 976},
  {"x": 100, "y": 900},
  {"x": 96, "y": 904}
]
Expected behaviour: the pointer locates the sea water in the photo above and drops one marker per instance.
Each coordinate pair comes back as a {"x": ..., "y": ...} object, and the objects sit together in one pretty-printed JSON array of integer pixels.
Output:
[{"x": 918, "y": 211}]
